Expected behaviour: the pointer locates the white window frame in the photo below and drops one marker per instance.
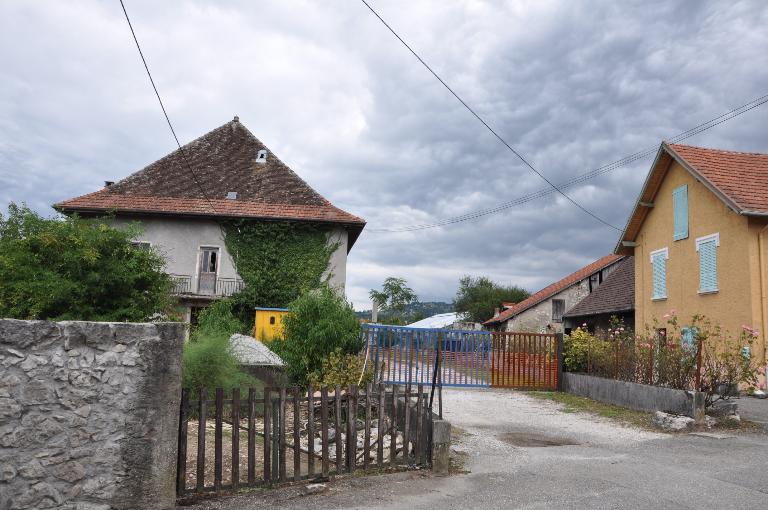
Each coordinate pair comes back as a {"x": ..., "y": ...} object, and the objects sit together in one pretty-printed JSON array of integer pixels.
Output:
[
  {"x": 699, "y": 242},
  {"x": 663, "y": 251}
]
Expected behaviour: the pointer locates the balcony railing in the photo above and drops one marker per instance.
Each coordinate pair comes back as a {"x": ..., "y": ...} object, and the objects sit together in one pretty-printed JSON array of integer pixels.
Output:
[{"x": 182, "y": 284}]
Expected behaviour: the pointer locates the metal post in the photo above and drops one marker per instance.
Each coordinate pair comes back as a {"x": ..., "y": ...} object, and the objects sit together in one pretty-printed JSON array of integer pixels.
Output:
[{"x": 559, "y": 362}]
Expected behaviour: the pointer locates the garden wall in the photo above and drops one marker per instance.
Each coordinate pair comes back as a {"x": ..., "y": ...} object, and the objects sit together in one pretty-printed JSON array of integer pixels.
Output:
[
  {"x": 89, "y": 414},
  {"x": 641, "y": 397}
]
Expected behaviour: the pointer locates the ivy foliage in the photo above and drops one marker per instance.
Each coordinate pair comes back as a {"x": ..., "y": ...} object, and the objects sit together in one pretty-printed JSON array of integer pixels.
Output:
[
  {"x": 77, "y": 269},
  {"x": 278, "y": 261}
]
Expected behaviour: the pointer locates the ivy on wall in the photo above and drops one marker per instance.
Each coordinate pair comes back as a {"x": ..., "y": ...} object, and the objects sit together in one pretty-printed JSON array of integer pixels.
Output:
[{"x": 278, "y": 261}]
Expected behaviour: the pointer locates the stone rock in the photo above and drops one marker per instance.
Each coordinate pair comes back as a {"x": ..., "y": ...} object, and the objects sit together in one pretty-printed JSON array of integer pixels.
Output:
[
  {"x": 32, "y": 469},
  {"x": 672, "y": 422},
  {"x": 721, "y": 408},
  {"x": 709, "y": 421},
  {"x": 732, "y": 419},
  {"x": 40, "y": 495},
  {"x": 37, "y": 391},
  {"x": 9, "y": 409},
  {"x": 119, "y": 348},
  {"x": 70, "y": 471},
  {"x": 315, "y": 488},
  {"x": 7, "y": 472}
]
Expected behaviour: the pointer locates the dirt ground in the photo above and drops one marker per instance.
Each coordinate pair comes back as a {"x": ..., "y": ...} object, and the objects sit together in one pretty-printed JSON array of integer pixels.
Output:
[{"x": 516, "y": 451}]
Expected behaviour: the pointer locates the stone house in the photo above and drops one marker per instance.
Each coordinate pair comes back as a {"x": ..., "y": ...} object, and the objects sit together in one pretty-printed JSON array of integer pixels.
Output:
[
  {"x": 543, "y": 311},
  {"x": 698, "y": 233},
  {"x": 614, "y": 298},
  {"x": 181, "y": 199}
]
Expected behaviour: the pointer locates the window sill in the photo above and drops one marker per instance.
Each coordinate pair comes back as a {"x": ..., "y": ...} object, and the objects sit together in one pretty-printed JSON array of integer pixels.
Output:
[
  {"x": 663, "y": 298},
  {"x": 705, "y": 292}
]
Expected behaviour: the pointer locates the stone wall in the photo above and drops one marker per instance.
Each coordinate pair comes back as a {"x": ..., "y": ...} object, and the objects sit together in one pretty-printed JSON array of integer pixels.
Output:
[
  {"x": 88, "y": 414},
  {"x": 641, "y": 397}
]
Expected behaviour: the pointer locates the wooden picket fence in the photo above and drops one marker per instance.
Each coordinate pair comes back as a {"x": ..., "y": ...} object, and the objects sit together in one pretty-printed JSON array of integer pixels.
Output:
[{"x": 287, "y": 434}]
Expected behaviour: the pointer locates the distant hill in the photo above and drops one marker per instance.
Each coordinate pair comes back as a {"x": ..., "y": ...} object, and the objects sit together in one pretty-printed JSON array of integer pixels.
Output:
[{"x": 415, "y": 311}]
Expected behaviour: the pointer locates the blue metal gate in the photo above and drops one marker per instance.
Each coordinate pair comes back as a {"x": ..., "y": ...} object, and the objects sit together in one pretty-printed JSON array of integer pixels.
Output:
[{"x": 403, "y": 355}]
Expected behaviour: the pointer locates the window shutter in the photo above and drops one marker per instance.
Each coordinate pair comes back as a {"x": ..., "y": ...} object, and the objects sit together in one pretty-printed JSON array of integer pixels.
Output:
[
  {"x": 708, "y": 266},
  {"x": 680, "y": 207},
  {"x": 659, "y": 263}
]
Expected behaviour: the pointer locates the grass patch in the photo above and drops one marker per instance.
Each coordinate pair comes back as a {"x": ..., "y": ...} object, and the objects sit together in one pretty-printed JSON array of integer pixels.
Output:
[{"x": 575, "y": 404}]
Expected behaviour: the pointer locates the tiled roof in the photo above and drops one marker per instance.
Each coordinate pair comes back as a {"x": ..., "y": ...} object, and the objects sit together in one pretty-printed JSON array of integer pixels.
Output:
[
  {"x": 740, "y": 176},
  {"x": 615, "y": 294},
  {"x": 553, "y": 289},
  {"x": 219, "y": 162},
  {"x": 740, "y": 179}
]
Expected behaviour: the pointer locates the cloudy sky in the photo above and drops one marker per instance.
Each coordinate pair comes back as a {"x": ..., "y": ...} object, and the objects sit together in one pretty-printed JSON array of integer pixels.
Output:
[{"x": 571, "y": 85}]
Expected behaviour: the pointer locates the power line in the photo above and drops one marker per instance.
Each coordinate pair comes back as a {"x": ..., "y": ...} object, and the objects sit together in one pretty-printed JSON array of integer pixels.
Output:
[
  {"x": 751, "y": 105},
  {"x": 478, "y": 117},
  {"x": 165, "y": 113}
]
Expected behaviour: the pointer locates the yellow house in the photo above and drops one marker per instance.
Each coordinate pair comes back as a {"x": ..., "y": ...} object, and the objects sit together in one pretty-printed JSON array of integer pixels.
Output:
[
  {"x": 268, "y": 323},
  {"x": 699, "y": 234}
]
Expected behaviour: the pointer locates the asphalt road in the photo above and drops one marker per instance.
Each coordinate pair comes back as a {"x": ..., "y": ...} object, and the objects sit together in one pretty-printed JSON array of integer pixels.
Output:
[{"x": 525, "y": 453}]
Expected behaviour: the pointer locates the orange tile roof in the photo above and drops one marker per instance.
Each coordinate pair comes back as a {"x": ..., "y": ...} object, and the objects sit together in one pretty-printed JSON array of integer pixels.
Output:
[
  {"x": 740, "y": 179},
  {"x": 196, "y": 179},
  {"x": 740, "y": 176},
  {"x": 556, "y": 287}
]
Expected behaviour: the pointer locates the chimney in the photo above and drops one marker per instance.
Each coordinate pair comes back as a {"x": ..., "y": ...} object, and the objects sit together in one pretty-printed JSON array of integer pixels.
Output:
[{"x": 495, "y": 312}]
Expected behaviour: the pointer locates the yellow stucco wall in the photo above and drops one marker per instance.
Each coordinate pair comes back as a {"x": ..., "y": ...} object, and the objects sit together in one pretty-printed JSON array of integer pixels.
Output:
[{"x": 739, "y": 299}]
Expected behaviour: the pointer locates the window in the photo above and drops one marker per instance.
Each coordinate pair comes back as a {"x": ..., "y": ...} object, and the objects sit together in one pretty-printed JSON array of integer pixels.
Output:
[
  {"x": 558, "y": 309},
  {"x": 688, "y": 341},
  {"x": 680, "y": 208},
  {"x": 210, "y": 260},
  {"x": 707, "y": 248},
  {"x": 659, "y": 264},
  {"x": 272, "y": 320}
]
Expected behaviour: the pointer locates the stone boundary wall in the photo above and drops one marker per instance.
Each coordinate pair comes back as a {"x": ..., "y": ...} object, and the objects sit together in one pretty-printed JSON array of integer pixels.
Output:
[
  {"x": 89, "y": 414},
  {"x": 641, "y": 397}
]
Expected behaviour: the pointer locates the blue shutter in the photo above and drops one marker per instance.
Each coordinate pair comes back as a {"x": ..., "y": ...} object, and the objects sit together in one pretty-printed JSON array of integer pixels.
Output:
[
  {"x": 680, "y": 207},
  {"x": 688, "y": 340},
  {"x": 708, "y": 266},
  {"x": 659, "y": 263}
]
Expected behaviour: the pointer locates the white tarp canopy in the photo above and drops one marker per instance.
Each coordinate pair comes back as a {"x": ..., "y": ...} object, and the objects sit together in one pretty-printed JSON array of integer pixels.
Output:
[
  {"x": 250, "y": 351},
  {"x": 441, "y": 320}
]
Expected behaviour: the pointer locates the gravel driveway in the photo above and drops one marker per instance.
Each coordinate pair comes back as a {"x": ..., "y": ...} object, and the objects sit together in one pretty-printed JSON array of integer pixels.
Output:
[{"x": 523, "y": 452}]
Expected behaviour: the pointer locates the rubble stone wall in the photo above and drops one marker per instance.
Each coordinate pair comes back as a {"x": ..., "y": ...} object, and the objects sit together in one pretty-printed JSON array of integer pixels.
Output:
[{"x": 89, "y": 414}]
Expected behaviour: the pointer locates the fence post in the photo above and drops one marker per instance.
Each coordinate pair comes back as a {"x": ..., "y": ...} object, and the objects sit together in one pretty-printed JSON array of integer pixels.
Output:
[
  {"x": 560, "y": 362},
  {"x": 181, "y": 463}
]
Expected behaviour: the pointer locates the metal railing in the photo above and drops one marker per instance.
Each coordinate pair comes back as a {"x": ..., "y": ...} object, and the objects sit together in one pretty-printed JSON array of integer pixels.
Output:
[{"x": 182, "y": 284}]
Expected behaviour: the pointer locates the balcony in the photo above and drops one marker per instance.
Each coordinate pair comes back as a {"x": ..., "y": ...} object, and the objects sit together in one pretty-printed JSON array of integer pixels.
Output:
[{"x": 184, "y": 285}]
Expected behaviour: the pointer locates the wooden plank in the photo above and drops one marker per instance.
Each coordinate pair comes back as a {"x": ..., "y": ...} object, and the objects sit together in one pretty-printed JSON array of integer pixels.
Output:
[
  {"x": 251, "y": 436},
  {"x": 367, "y": 434},
  {"x": 217, "y": 452},
  {"x": 181, "y": 460},
  {"x": 419, "y": 439},
  {"x": 337, "y": 424},
  {"x": 324, "y": 430},
  {"x": 296, "y": 434},
  {"x": 407, "y": 426},
  {"x": 201, "y": 413},
  {"x": 311, "y": 430},
  {"x": 267, "y": 435},
  {"x": 281, "y": 435},
  {"x": 382, "y": 429},
  {"x": 351, "y": 428},
  {"x": 393, "y": 431},
  {"x": 235, "y": 438}
]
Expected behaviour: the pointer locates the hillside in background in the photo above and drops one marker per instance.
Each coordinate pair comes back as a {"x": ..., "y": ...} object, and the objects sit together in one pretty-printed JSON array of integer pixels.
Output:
[{"x": 415, "y": 311}]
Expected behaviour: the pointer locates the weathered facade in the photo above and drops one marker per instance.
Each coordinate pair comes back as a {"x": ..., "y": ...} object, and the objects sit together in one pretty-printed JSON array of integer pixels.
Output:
[
  {"x": 89, "y": 414},
  {"x": 698, "y": 233},
  {"x": 182, "y": 199},
  {"x": 543, "y": 311}
]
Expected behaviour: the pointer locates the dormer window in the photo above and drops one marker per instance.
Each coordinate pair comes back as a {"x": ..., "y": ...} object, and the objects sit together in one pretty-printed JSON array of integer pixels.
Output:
[
  {"x": 231, "y": 195},
  {"x": 261, "y": 157}
]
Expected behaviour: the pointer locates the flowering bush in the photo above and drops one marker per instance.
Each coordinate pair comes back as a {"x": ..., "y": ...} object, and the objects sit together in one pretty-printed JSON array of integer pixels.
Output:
[{"x": 727, "y": 362}]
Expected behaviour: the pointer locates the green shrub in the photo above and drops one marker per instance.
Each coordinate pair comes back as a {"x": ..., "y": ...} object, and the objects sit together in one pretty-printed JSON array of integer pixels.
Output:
[
  {"x": 319, "y": 323},
  {"x": 581, "y": 347},
  {"x": 76, "y": 269},
  {"x": 342, "y": 370},
  {"x": 208, "y": 361}
]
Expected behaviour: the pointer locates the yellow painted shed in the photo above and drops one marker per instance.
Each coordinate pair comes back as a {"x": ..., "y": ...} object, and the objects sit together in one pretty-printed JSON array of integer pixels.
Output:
[{"x": 269, "y": 323}]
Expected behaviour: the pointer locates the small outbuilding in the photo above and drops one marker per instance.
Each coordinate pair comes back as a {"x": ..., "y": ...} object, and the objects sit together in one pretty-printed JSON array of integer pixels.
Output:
[{"x": 256, "y": 359}]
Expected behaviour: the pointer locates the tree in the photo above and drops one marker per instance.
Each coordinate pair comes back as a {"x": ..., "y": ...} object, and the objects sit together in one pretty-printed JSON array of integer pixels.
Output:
[
  {"x": 76, "y": 269},
  {"x": 394, "y": 296},
  {"x": 319, "y": 323},
  {"x": 477, "y": 297}
]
